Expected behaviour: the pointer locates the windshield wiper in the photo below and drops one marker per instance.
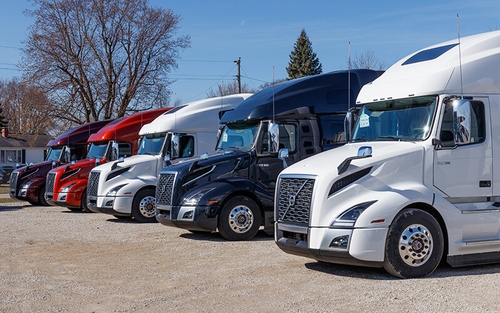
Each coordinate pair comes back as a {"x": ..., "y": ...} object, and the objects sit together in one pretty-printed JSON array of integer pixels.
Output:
[{"x": 390, "y": 137}]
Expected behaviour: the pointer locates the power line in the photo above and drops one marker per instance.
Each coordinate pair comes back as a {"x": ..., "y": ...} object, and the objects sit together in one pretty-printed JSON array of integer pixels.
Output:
[
  {"x": 10, "y": 69},
  {"x": 204, "y": 61},
  {"x": 9, "y": 47}
]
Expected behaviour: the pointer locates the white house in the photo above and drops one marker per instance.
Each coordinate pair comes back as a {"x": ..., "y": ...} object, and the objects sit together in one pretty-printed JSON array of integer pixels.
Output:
[{"x": 22, "y": 149}]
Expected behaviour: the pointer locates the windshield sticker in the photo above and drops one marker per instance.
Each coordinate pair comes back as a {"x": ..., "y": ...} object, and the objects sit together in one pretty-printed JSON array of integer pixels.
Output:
[{"x": 364, "y": 121}]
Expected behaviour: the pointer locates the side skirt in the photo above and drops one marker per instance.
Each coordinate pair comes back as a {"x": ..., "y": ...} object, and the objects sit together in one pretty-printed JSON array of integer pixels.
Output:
[{"x": 473, "y": 259}]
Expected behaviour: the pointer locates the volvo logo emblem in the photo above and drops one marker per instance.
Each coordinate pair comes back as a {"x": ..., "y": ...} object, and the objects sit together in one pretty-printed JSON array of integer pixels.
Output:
[{"x": 291, "y": 200}]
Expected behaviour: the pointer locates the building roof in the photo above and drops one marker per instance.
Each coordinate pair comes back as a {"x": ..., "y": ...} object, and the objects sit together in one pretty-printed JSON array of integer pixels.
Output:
[{"x": 24, "y": 141}]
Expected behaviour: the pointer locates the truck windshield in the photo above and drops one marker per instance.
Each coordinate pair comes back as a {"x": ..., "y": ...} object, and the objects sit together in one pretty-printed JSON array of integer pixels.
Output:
[
  {"x": 97, "y": 150},
  {"x": 151, "y": 144},
  {"x": 54, "y": 153},
  {"x": 402, "y": 119},
  {"x": 238, "y": 136}
]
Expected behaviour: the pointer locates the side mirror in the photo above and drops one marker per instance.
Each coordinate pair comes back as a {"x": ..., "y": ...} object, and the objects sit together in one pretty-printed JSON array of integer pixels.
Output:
[
  {"x": 462, "y": 121},
  {"x": 349, "y": 122},
  {"x": 120, "y": 160},
  {"x": 274, "y": 135},
  {"x": 364, "y": 151},
  {"x": 175, "y": 146},
  {"x": 114, "y": 151},
  {"x": 284, "y": 156},
  {"x": 67, "y": 155}
]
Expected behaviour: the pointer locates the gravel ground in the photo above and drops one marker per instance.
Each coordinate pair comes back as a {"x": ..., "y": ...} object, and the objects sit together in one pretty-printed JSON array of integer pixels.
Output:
[{"x": 54, "y": 260}]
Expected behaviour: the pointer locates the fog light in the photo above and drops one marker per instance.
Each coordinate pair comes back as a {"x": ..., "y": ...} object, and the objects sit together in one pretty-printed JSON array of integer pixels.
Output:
[
  {"x": 340, "y": 242},
  {"x": 188, "y": 214},
  {"x": 109, "y": 203}
]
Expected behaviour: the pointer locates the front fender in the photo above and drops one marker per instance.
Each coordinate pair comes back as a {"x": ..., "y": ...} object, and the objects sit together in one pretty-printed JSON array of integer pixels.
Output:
[
  {"x": 132, "y": 186},
  {"x": 218, "y": 193},
  {"x": 389, "y": 203}
]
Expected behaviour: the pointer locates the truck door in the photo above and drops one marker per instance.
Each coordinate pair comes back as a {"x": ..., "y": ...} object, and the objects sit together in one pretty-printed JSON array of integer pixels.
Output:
[
  {"x": 464, "y": 168},
  {"x": 268, "y": 164}
]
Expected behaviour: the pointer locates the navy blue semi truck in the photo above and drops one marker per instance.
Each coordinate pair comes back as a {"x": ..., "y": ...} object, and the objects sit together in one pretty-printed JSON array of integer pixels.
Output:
[{"x": 232, "y": 191}]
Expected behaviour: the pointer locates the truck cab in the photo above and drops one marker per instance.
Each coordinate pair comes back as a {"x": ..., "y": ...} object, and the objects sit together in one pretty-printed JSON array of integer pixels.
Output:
[
  {"x": 126, "y": 187},
  {"x": 66, "y": 185},
  {"x": 28, "y": 182},
  {"x": 232, "y": 190},
  {"x": 418, "y": 183}
]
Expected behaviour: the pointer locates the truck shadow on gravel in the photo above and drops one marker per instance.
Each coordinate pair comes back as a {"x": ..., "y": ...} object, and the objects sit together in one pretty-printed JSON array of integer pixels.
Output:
[
  {"x": 443, "y": 271},
  {"x": 206, "y": 236},
  {"x": 15, "y": 207}
]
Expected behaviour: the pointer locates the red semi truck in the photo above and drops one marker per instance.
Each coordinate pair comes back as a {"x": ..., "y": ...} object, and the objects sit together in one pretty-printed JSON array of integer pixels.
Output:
[
  {"x": 28, "y": 182},
  {"x": 67, "y": 184}
]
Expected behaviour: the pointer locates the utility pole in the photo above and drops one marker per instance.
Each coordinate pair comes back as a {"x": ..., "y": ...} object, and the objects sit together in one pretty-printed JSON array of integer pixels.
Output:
[{"x": 238, "y": 76}]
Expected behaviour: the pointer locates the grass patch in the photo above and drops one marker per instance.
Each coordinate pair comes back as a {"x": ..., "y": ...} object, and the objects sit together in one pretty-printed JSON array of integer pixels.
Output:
[
  {"x": 4, "y": 189},
  {"x": 8, "y": 200}
]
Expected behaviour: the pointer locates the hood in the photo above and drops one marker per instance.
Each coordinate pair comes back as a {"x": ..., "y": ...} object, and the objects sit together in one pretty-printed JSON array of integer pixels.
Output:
[
  {"x": 388, "y": 158},
  {"x": 36, "y": 170},
  {"x": 127, "y": 162},
  {"x": 36, "y": 166},
  {"x": 214, "y": 158},
  {"x": 87, "y": 164}
]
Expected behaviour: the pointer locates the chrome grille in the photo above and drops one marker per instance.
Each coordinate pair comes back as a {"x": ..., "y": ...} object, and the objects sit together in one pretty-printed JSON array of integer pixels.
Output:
[
  {"x": 165, "y": 188},
  {"x": 294, "y": 200},
  {"x": 49, "y": 183},
  {"x": 13, "y": 180},
  {"x": 93, "y": 183}
]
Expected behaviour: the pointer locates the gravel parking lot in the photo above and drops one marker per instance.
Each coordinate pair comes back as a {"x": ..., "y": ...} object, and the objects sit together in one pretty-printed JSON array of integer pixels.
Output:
[{"x": 54, "y": 260}]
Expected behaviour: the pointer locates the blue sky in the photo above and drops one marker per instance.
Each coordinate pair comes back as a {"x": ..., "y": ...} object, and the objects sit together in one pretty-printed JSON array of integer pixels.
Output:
[{"x": 262, "y": 34}]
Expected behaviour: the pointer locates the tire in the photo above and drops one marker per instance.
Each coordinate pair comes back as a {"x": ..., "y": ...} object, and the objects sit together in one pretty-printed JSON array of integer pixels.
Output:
[
  {"x": 239, "y": 219},
  {"x": 84, "y": 204},
  {"x": 414, "y": 245},
  {"x": 144, "y": 206},
  {"x": 41, "y": 197}
]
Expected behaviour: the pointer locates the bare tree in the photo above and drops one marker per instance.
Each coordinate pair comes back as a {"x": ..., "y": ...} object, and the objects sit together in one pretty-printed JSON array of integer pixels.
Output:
[
  {"x": 367, "y": 60},
  {"x": 229, "y": 89},
  {"x": 27, "y": 108},
  {"x": 99, "y": 59}
]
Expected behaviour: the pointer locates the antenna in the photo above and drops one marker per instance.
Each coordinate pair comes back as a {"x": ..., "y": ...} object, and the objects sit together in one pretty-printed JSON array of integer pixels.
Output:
[
  {"x": 460, "y": 58},
  {"x": 349, "y": 77},
  {"x": 273, "y": 95}
]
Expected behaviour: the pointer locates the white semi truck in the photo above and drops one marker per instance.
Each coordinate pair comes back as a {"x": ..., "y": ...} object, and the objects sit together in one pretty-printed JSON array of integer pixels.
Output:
[
  {"x": 419, "y": 181},
  {"x": 126, "y": 188}
]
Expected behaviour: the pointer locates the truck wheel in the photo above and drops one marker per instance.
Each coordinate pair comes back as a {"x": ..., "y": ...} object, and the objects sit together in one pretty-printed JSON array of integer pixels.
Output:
[
  {"x": 84, "y": 204},
  {"x": 239, "y": 219},
  {"x": 144, "y": 206},
  {"x": 41, "y": 197},
  {"x": 414, "y": 245}
]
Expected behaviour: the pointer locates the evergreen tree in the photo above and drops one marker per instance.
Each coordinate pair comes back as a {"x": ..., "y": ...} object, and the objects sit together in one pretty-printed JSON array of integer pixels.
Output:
[
  {"x": 3, "y": 120},
  {"x": 303, "y": 61}
]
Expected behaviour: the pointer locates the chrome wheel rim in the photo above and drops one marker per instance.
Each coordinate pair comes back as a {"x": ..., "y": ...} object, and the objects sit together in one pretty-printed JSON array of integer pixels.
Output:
[
  {"x": 415, "y": 245},
  {"x": 240, "y": 219},
  {"x": 147, "y": 206}
]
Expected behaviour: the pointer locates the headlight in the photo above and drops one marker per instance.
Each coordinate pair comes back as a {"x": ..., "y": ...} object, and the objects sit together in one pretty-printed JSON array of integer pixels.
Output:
[
  {"x": 348, "y": 218},
  {"x": 194, "y": 199},
  {"x": 67, "y": 188},
  {"x": 114, "y": 191}
]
